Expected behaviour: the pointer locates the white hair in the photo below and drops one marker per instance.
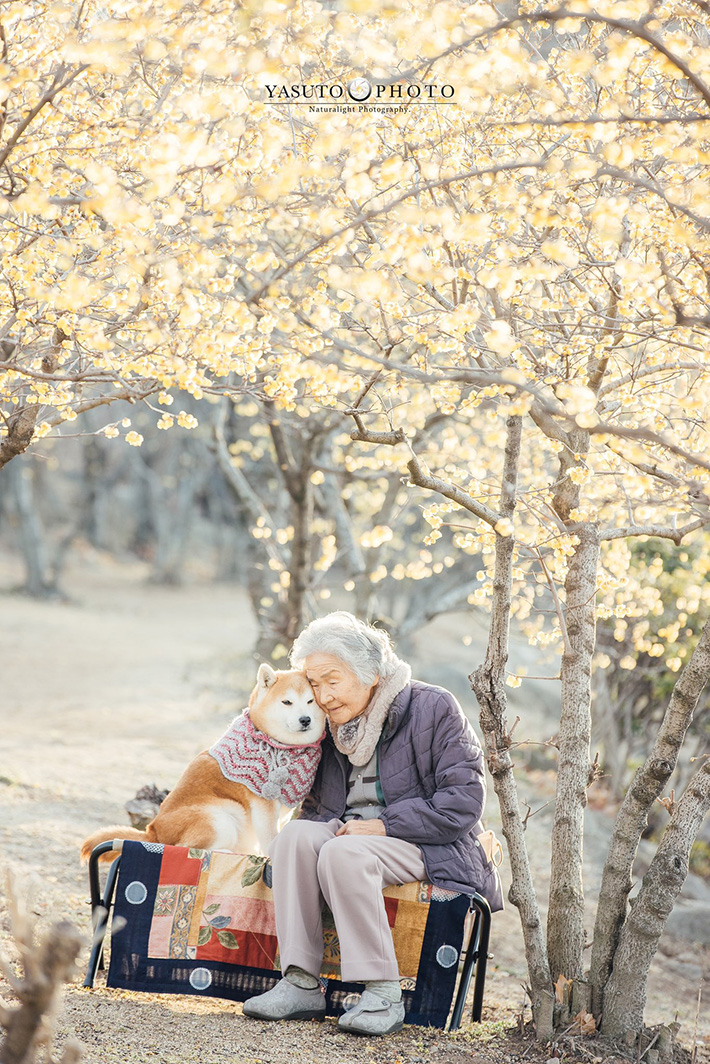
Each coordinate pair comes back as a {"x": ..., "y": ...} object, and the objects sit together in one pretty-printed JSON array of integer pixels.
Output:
[{"x": 366, "y": 650}]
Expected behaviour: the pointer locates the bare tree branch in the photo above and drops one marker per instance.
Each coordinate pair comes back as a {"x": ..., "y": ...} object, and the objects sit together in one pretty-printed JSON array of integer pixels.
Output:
[
  {"x": 55, "y": 88},
  {"x": 450, "y": 491},
  {"x": 368, "y": 216},
  {"x": 661, "y": 531}
]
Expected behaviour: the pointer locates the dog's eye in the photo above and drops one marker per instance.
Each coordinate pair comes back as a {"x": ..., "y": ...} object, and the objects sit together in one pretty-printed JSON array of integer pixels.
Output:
[
  {"x": 286, "y": 702},
  {"x": 310, "y": 700}
]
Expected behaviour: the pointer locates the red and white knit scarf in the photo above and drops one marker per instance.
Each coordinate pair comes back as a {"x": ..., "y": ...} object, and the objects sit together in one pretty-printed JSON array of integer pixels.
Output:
[{"x": 272, "y": 770}]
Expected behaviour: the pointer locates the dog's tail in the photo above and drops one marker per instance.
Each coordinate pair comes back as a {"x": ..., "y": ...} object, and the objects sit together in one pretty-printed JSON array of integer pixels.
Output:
[{"x": 106, "y": 835}]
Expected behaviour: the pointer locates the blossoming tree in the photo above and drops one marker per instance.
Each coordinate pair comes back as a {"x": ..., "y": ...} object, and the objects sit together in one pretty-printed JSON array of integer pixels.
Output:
[{"x": 527, "y": 263}]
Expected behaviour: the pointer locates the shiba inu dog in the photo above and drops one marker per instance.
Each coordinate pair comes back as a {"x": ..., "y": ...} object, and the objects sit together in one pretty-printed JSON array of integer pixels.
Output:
[{"x": 238, "y": 794}]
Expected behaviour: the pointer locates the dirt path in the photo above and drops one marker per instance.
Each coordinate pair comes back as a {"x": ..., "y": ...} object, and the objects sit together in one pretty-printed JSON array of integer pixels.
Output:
[{"x": 121, "y": 687}]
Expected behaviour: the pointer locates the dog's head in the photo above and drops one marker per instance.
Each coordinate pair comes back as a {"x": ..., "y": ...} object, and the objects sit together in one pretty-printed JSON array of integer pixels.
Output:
[{"x": 283, "y": 706}]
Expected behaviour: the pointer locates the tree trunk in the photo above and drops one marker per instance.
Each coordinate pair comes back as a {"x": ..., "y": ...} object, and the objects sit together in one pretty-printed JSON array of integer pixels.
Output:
[
  {"x": 300, "y": 564},
  {"x": 37, "y": 581},
  {"x": 95, "y": 476},
  {"x": 632, "y": 817},
  {"x": 625, "y": 995},
  {"x": 565, "y": 920},
  {"x": 609, "y": 734},
  {"x": 279, "y": 623},
  {"x": 171, "y": 505},
  {"x": 350, "y": 553},
  {"x": 267, "y": 607},
  {"x": 489, "y": 687},
  {"x": 231, "y": 531},
  {"x": 143, "y": 539}
]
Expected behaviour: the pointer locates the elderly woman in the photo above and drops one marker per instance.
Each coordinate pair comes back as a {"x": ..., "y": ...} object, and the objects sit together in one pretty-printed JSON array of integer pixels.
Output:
[{"x": 398, "y": 797}]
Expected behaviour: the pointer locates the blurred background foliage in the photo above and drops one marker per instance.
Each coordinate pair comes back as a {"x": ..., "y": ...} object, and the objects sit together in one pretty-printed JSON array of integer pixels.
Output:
[{"x": 211, "y": 504}]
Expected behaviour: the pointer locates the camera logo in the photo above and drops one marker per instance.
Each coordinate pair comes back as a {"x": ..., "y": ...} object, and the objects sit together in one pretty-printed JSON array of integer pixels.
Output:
[{"x": 359, "y": 89}]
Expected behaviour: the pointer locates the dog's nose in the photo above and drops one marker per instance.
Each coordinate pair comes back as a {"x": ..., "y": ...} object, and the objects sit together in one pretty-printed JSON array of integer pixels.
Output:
[{"x": 305, "y": 722}]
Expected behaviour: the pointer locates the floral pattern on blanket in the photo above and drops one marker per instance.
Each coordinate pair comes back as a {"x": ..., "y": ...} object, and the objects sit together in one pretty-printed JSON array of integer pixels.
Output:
[{"x": 216, "y": 906}]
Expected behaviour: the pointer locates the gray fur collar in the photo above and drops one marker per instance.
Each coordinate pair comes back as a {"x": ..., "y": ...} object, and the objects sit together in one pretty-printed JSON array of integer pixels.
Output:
[{"x": 358, "y": 738}]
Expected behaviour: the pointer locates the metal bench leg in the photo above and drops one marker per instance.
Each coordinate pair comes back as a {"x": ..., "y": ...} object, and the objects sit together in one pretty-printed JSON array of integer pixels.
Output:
[
  {"x": 100, "y": 907},
  {"x": 465, "y": 976},
  {"x": 476, "y": 952},
  {"x": 479, "y": 982}
]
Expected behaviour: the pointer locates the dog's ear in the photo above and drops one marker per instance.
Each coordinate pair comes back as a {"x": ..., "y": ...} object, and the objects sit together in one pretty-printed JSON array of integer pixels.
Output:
[{"x": 265, "y": 676}]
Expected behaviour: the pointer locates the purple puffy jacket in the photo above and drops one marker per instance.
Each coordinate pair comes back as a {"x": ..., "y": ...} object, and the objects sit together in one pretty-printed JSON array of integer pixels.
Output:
[{"x": 432, "y": 779}]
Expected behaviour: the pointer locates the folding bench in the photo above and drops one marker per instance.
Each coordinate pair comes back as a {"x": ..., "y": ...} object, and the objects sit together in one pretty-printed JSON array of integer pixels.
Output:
[{"x": 165, "y": 895}]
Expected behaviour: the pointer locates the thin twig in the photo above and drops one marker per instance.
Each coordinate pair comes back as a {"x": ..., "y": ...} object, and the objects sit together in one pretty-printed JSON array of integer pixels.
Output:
[
  {"x": 558, "y": 605},
  {"x": 694, "y": 1050},
  {"x": 650, "y": 1045}
]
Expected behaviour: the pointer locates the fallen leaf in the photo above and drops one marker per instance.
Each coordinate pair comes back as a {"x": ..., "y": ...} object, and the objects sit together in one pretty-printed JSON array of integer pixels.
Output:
[
  {"x": 562, "y": 989},
  {"x": 585, "y": 1022}
]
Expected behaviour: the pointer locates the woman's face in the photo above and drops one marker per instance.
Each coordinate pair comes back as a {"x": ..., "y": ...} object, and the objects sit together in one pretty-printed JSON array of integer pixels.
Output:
[{"x": 338, "y": 690}]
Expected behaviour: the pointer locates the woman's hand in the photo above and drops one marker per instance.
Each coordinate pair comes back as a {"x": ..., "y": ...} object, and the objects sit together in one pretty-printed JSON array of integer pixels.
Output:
[{"x": 362, "y": 827}]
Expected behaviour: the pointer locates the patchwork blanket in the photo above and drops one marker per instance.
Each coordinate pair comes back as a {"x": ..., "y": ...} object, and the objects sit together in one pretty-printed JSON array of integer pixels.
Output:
[{"x": 202, "y": 922}]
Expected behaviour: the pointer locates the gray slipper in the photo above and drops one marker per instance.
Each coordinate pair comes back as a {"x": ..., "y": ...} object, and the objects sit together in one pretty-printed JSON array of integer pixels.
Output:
[
  {"x": 373, "y": 1015},
  {"x": 286, "y": 1002}
]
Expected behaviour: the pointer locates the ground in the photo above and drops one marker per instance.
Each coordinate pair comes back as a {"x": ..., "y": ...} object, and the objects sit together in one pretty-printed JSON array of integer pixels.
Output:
[{"x": 119, "y": 686}]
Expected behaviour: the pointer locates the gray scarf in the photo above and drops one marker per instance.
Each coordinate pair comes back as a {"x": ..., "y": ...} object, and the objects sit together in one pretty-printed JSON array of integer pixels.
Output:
[{"x": 358, "y": 738}]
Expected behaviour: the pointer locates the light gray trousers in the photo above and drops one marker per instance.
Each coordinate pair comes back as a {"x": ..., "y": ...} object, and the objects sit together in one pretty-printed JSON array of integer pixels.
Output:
[{"x": 309, "y": 864}]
